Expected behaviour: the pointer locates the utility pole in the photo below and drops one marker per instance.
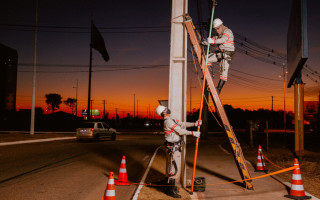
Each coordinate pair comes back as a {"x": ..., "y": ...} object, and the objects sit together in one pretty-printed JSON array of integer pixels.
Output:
[
  {"x": 284, "y": 100},
  {"x": 91, "y": 108},
  {"x": 272, "y": 104},
  {"x": 137, "y": 108},
  {"x": 34, "y": 72},
  {"x": 116, "y": 113},
  {"x": 104, "y": 108},
  {"x": 177, "y": 101},
  {"x": 134, "y": 105},
  {"x": 76, "y": 98},
  {"x": 90, "y": 72}
]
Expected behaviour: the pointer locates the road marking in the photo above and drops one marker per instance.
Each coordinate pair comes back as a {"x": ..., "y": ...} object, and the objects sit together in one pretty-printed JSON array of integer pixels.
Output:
[
  {"x": 224, "y": 150},
  {"x": 34, "y": 141},
  {"x": 135, "y": 197}
]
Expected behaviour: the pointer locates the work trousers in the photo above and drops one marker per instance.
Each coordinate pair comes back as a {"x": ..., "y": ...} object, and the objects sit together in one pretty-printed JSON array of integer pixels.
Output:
[{"x": 224, "y": 60}]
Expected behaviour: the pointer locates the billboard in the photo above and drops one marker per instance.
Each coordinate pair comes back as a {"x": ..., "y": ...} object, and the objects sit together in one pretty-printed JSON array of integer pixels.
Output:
[
  {"x": 93, "y": 112},
  {"x": 297, "y": 40}
]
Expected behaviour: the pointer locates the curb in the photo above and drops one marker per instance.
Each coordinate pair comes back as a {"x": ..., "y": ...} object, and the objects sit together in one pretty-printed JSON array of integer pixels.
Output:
[{"x": 35, "y": 141}]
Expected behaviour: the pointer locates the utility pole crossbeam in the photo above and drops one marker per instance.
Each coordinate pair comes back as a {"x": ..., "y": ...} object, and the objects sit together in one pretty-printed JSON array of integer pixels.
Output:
[{"x": 238, "y": 155}]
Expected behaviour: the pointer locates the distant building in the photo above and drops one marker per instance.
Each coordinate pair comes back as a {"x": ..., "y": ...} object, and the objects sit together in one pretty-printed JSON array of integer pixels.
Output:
[{"x": 8, "y": 78}]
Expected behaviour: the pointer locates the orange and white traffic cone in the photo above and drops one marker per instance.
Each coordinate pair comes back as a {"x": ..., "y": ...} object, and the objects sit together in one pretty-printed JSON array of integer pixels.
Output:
[
  {"x": 297, "y": 190},
  {"x": 110, "y": 193},
  {"x": 122, "y": 178},
  {"x": 261, "y": 165}
]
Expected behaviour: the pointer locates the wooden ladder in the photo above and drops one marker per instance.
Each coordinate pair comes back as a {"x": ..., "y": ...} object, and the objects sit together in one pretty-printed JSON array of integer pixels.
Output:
[{"x": 237, "y": 151}]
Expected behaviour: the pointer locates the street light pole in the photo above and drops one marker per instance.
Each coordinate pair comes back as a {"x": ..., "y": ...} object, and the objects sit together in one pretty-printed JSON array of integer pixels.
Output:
[{"x": 34, "y": 72}]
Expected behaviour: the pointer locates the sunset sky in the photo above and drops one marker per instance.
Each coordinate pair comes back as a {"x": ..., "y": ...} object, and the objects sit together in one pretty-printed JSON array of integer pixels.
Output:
[{"x": 137, "y": 37}]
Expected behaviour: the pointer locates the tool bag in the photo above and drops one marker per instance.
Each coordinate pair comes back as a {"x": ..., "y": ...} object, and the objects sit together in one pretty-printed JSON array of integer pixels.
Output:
[{"x": 199, "y": 184}]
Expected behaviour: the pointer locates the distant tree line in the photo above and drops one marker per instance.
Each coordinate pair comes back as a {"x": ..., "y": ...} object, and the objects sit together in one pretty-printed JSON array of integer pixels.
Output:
[
  {"x": 54, "y": 100},
  {"x": 239, "y": 118}
]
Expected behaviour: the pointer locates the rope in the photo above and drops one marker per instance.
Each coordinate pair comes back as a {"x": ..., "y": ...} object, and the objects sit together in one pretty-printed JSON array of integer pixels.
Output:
[
  {"x": 223, "y": 183},
  {"x": 271, "y": 162}
]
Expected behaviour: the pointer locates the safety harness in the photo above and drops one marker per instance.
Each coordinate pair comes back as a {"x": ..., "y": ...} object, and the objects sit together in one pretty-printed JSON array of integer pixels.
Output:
[{"x": 171, "y": 148}]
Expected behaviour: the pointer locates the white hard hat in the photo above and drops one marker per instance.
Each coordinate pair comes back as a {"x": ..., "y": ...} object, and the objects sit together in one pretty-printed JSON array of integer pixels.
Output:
[
  {"x": 217, "y": 22},
  {"x": 160, "y": 109}
]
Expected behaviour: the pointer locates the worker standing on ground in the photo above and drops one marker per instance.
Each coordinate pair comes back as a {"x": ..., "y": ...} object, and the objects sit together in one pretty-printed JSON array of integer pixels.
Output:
[
  {"x": 173, "y": 130},
  {"x": 223, "y": 54}
]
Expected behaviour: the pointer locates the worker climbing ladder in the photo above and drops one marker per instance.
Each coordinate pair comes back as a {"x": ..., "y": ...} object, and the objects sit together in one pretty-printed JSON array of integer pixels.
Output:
[{"x": 238, "y": 155}]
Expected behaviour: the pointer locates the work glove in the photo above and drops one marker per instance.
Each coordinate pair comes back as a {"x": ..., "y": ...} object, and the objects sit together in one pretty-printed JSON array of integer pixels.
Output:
[
  {"x": 204, "y": 42},
  {"x": 211, "y": 40},
  {"x": 198, "y": 123},
  {"x": 196, "y": 134}
]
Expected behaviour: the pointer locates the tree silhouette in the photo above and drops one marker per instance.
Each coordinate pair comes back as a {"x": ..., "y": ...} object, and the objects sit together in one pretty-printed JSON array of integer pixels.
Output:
[
  {"x": 53, "y": 101},
  {"x": 71, "y": 103}
]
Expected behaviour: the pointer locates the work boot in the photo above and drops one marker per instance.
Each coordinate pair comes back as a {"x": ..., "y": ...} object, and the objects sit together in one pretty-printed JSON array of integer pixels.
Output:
[
  {"x": 172, "y": 190},
  {"x": 220, "y": 85}
]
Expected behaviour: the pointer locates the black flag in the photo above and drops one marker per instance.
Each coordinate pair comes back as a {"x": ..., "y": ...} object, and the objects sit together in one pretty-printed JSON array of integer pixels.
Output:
[{"x": 97, "y": 42}]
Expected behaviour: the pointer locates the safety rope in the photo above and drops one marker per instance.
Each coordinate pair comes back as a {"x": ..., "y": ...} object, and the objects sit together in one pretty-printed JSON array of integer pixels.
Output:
[
  {"x": 224, "y": 183},
  {"x": 264, "y": 156}
]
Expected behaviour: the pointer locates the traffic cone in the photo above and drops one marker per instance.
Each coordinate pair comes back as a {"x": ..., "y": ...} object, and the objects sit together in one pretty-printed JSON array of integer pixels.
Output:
[
  {"x": 122, "y": 178},
  {"x": 261, "y": 165},
  {"x": 297, "y": 190},
  {"x": 110, "y": 193}
]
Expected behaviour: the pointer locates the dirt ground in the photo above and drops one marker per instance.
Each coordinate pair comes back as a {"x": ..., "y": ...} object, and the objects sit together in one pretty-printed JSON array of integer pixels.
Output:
[
  {"x": 155, "y": 176},
  {"x": 281, "y": 153}
]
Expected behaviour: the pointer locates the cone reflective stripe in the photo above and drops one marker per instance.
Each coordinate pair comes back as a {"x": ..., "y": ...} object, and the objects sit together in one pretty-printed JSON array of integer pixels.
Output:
[
  {"x": 122, "y": 178},
  {"x": 110, "y": 193},
  {"x": 261, "y": 165},
  {"x": 297, "y": 190}
]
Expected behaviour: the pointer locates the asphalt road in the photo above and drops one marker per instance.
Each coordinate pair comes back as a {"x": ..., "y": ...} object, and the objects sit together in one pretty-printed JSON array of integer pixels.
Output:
[{"x": 73, "y": 170}]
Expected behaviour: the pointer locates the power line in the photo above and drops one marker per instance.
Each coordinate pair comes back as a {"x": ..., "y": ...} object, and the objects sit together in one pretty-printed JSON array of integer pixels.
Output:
[
  {"x": 255, "y": 75},
  {"x": 102, "y": 70},
  {"x": 84, "y": 27}
]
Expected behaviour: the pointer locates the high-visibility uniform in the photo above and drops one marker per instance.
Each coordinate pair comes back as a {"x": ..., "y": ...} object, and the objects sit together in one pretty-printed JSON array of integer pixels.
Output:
[
  {"x": 224, "y": 55},
  {"x": 173, "y": 130}
]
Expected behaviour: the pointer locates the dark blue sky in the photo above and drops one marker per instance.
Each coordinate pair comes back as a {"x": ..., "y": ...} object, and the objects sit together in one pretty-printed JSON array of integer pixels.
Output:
[{"x": 265, "y": 22}]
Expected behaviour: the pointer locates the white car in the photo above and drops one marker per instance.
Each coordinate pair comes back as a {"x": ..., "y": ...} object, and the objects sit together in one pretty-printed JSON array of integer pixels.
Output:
[{"x": 96, "y": 131}]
